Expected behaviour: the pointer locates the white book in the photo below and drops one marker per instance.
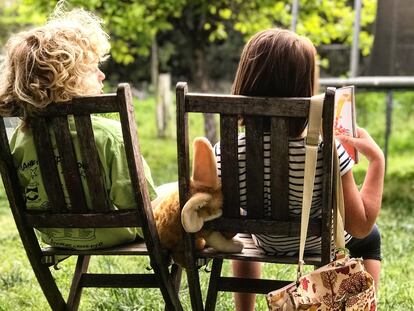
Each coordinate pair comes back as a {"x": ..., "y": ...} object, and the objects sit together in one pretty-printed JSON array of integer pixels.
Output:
[{"x": 345, "y": 116}]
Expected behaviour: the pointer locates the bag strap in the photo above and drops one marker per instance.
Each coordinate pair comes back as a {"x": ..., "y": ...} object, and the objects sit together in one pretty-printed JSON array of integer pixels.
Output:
[
  {"x": 311, "y": 155},
  {"x": 339, "y": 216}
]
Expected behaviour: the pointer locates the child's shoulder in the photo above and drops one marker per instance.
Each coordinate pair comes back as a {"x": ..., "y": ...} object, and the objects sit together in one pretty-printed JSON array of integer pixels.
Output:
[{"x": 106, "y": 127}]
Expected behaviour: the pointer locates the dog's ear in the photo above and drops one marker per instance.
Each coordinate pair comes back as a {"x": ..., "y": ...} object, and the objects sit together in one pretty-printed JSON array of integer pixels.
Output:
[
  {"x": 204, "y": 164},
  {"x": 190, "y": 218}
]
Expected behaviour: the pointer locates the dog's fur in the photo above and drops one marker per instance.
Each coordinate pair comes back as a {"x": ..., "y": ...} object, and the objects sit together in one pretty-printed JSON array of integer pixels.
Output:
[{"x": 204, "y": 204}]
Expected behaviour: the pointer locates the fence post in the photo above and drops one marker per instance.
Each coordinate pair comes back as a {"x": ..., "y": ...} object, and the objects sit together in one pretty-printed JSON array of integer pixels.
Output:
[
  {"x": 354, "y": 63},
  {"x": 164, "y": 100},
  {"x": 295, "y": 13},
  {"x": 388, "y": 124}
]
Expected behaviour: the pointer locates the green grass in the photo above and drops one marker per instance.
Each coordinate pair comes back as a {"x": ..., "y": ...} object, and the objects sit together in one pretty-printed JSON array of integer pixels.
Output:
[{"x": 19, "y": 289}]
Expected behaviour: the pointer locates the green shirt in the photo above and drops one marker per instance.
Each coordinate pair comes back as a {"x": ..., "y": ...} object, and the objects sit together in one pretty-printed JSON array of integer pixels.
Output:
[{"x": 110, "y": 146}]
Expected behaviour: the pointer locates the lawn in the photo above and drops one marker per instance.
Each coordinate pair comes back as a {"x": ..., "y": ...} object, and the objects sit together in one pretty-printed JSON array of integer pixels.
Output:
[{"x": 19, "y": 289}]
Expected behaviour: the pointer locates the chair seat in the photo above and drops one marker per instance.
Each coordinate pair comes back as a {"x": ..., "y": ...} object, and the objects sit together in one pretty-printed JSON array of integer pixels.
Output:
[
  {"x": 251, "y": 252},
  {"x": 134, "y": 248}
]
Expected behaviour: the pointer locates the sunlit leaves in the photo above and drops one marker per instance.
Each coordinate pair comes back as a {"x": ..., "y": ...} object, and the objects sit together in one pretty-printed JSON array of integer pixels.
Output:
[
  {"x": 133, "y": 24},
  {"x": 225, "y": 13},
  {"x": 326, "y": 22}
]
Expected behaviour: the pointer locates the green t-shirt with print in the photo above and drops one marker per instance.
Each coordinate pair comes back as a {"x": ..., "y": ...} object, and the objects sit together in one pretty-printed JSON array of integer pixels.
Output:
[{"x": 110, "y": 146}]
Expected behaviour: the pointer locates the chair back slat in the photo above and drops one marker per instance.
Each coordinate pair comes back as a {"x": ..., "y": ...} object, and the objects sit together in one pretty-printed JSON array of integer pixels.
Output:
[
  {"x": 229, "y": 165},
  {"x": 135, "y": 165},
  {"x": 9, "y": 174},
  {"x": 328, "y": 184},
  {"x": 247, "y": 105},
  {"x": 279, "y": 166},
  {"x": 92, "y": 165},
  {"x": 183, "y": 151},
  {"x": 254, "y": 166},
  {"x": 69, "y": 162},
  {"x": 48, "y": 164}
]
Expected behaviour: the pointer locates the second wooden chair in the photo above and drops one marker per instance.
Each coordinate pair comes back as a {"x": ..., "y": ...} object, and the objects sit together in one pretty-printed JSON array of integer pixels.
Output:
[{"x": 260, "y": 116}]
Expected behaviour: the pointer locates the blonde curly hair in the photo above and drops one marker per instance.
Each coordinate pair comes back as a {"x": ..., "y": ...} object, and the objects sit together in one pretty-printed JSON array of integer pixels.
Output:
[{"x": 51, "y": 63}]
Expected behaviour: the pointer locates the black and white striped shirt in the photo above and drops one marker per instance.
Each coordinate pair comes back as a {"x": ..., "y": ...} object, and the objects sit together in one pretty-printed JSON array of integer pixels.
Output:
[{"x": 282, "y": 245}]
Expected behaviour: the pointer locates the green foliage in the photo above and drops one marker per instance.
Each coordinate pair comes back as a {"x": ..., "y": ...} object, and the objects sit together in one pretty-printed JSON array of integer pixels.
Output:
[
  {"x": 14, "y": 16},
  {"x": 322, "y": 21},
  {"x": 371, "y": 108},
  {"x": 133, "y": 25}
]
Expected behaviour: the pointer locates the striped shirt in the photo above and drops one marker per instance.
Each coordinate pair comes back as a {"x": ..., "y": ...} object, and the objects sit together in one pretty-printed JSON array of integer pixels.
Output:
[{"x": 276, "y": 244}]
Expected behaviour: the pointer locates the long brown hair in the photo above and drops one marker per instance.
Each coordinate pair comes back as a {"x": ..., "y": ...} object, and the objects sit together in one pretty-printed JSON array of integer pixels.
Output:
[{"x": 277, "y": 63}]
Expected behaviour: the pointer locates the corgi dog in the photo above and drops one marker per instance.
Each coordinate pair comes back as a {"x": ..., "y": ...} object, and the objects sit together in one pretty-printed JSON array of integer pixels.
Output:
[{"x": 204, "y": 204}]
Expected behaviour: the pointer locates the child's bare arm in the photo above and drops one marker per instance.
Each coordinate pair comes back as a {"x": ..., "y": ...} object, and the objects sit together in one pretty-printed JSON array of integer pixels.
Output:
[{"x": 362, "y": 206}]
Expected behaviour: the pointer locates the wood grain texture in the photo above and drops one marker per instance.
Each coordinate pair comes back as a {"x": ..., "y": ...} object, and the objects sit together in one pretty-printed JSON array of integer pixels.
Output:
[
  {"x": 92, "y": 166},
  {"x": 229, "y": 165},
  {"x": 48, "y": 164},
  {"x": 279, "y": 167},
  {"x": 110, "y": 219},
  {"x": 87, "y": 105},
  {"x": 254, "y": 167},
  {"x": 69, "y": 162},
  {"x": 266, "y": 226},
  {"x": 328, "y": 182},
  {"x": 245, "y": 105}
]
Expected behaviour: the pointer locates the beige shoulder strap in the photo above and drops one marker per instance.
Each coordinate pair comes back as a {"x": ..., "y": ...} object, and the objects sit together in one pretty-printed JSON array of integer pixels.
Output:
[
  {"x": 311, "y": 153},
  {"x": 340, "y": 208}
]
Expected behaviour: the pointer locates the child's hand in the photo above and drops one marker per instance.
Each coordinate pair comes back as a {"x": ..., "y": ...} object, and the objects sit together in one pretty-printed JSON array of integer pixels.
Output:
[{"x": 364, "y": 144}]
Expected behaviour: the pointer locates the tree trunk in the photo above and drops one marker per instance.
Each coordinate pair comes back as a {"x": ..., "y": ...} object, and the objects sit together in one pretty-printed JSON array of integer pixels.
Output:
[
  {"x": 163, "y": 103},
  {"x": 154, "y": 64},
  {"x": 210, "y": 124},
  {"x": 161, "y": 116}
]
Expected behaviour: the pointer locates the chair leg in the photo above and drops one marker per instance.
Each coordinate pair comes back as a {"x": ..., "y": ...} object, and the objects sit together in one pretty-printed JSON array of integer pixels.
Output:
[
  {"x": 76, "y": 287},
  {"x": 48, "y": 285},
  {"x": 212, "y": 286},
  {"x": 194, "y": 288},
  {"x": 166, "y": 282},
  {"x": 176, "y": 272},
  {"x": 193, "y": 279},
  {"x": 42, "y": 272}
]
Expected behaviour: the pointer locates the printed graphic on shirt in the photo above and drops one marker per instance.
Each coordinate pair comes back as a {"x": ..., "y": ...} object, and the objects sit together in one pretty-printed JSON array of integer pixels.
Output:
[
  {"x": 78, "y": 234},
  {"x": 36, "y": 198},
  {"x": 32, "y": 192}
]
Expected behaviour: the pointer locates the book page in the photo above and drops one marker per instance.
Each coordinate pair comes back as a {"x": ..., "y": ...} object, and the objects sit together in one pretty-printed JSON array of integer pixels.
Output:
[{"x": 345, "y": 116}]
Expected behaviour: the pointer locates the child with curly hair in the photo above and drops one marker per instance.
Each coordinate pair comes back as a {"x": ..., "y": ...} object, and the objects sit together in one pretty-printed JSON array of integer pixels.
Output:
[{"x": 55, "y": 63}]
